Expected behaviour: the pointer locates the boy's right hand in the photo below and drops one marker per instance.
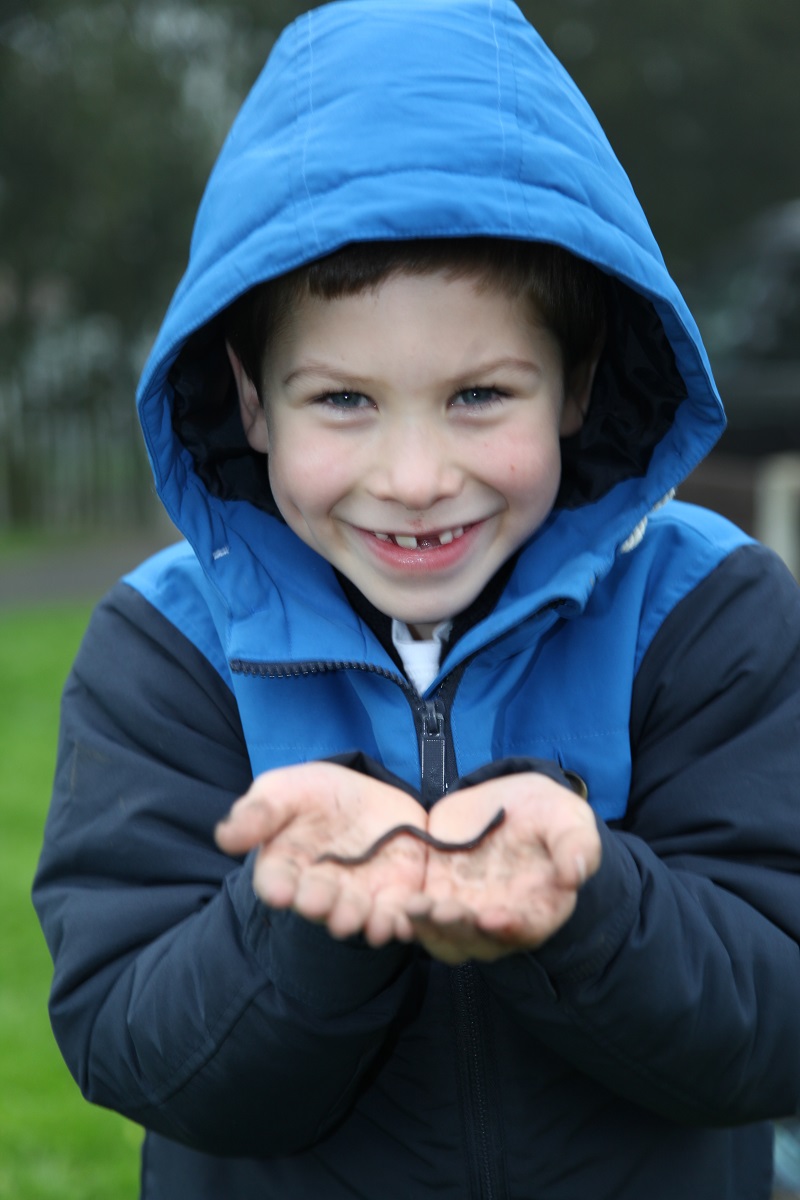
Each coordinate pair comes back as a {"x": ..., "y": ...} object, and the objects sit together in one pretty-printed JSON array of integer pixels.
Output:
[
  {"x": 521, "y": 884},
  {"x": 297, "y": 814}
]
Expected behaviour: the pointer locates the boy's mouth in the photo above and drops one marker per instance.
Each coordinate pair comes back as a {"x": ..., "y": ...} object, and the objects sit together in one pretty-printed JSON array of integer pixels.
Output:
[{"x": 424, "y": 541}]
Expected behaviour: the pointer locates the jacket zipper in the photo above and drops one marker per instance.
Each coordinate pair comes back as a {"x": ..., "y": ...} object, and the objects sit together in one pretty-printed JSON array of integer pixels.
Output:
[
  {"x": 485, "y": 1168},
  {"x": 437, "y": 772},
  {"x": 432, "y": 752},
  {"x": 485, "y": 1159},
  {"x": 429, "y": 715}
]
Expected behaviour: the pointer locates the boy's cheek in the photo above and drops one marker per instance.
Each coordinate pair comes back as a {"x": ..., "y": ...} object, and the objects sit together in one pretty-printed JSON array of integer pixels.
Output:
[
  {"x": 297, "y": 491},
  {"x": 311, "y": 480}
]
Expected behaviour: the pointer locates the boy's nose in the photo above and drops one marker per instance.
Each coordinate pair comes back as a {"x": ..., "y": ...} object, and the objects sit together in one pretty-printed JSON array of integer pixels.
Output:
[{"x": 415, "y": 469}]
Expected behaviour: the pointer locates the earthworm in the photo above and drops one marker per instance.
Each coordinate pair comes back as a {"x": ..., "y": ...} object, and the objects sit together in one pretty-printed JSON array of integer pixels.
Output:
[{"x": 422, "y": 835}]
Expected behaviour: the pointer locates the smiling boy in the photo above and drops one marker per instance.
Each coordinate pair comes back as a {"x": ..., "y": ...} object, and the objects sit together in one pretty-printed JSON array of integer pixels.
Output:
[
  {"x": 425, "y": 822},
  {"x": 412, "y": 428},
  {"x": 410, "y": 403}
]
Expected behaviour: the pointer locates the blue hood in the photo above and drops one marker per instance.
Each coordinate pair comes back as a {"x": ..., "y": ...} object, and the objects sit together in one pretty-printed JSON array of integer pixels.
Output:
[{"x": 398, "y": 119}]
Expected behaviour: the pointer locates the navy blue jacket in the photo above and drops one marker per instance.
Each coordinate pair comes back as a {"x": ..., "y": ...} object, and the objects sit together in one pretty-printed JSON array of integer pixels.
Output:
[{"x": 649, "y": 647}]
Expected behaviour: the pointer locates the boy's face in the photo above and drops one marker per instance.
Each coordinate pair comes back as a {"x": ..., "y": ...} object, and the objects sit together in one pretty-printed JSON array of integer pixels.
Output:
[{"x": 413, "y": 435}]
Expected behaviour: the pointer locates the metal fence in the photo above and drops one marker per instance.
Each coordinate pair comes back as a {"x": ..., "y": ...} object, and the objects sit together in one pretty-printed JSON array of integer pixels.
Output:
[{"x": 71, "y": 451}]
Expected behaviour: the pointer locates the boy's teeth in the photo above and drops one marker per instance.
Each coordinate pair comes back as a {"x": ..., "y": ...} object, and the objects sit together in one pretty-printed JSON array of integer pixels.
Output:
[{"x": 409, "y": 542}]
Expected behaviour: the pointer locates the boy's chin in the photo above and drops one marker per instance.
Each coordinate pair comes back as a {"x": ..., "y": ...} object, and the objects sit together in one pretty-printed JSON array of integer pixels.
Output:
[{"x": 420, "y": 625}]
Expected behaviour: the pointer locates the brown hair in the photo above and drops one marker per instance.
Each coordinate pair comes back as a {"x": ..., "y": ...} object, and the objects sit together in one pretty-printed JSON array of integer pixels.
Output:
[{"x": 567, "y": 293}]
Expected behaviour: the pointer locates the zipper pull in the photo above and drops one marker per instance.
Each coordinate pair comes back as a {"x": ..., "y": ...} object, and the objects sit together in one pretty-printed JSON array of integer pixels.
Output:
[{"x": 432, "y": 753}]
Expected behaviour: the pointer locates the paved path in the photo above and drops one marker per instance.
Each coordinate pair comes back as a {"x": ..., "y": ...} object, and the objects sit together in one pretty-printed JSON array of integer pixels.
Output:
[{"x": 80, "y": 572}]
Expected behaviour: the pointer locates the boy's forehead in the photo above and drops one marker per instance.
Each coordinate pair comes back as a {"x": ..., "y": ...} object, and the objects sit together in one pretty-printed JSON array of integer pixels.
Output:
[{"x": 433, "y": 323}]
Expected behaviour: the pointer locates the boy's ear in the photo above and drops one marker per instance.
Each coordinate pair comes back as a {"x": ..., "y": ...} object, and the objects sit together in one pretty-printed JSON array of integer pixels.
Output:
[
  {"x": 578, "y": 394},
  {"x": 254, "y": 419}
]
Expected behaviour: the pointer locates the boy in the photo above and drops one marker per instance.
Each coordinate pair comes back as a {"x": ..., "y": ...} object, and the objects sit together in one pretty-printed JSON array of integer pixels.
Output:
[
  {"x": 514, "y": 907},
  {"x": 454, "y": 479}
]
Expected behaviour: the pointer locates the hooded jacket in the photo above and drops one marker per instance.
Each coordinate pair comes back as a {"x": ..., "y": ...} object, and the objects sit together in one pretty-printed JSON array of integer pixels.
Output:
[{"x": 649, "y": 647}]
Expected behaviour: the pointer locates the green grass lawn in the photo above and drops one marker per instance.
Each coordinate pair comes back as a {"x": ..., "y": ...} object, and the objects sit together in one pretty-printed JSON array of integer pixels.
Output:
[{"x": 53, "y": 1145}]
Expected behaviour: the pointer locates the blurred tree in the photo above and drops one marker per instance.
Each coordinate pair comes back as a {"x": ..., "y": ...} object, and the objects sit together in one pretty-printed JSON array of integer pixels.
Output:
[
  {"x": 111, "y": 112},
  {"x": 111, "y": 115},
  {"x": 117, "y": 111},
  {"x": 698, "y": 100}
]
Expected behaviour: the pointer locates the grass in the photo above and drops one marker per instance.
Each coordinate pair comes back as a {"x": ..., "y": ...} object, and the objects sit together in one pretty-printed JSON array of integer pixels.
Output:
[
  {"x": 53, "y": 1146},
  {"x": 23, "y": 543}
]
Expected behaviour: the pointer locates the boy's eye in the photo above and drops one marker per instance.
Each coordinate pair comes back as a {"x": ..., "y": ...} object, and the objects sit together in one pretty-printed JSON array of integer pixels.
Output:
[
  {"x": 344, "y": 400},
  {"x": 478, "y": 397}
]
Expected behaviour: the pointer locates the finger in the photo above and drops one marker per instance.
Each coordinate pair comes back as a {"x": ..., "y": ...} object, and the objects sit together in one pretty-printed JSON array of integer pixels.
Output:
[
  {"x": 255, "y": 818},
  {"x": 277, "y": 797},
  {"x": 515, "y": 930},
  {"x": 447, "y": 920},
  {"x": 499, "y": 922},
  {"x": 403, "y": 930},
  {"x": 439, "y": 945},
  {"x": 382, "y": 928},
  {"x": 530, "y": 925},
  {"x": 317, "y": 895},
  {"x": 418, "y": 906},
  {"x": 459, "y": 941},
  {"x": 387, "y": 922},
  {"x": 349, "y": 914},
  {"x": 447, "y": 911},
  {"x": 576, "y": 854},
  {"x": 275, "y": 881}
]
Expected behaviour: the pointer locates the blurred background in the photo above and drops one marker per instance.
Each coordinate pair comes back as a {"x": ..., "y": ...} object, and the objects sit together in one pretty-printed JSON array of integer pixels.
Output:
[{"x": 111, "y": 114}]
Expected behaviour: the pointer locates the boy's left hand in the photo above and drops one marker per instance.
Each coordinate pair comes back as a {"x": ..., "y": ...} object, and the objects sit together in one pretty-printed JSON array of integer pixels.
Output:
[
  {"x": 520, "y": 885},
  {"x": 296, "y": 816}
]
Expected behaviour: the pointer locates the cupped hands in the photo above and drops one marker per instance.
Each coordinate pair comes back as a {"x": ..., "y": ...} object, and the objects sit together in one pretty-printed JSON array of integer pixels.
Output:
[{"x": 510, "y": 892}]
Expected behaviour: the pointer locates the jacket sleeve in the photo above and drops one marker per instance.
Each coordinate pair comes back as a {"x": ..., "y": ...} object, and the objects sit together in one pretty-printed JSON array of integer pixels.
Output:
[
  {"x": 178, "y": 998},
  {"x": 676, "y": 983}
]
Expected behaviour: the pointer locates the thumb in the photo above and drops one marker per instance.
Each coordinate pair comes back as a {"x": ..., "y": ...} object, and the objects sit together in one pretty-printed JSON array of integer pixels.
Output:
[
  {"x": 255, "y": 818},
  {"x": 576, "y": 853}
]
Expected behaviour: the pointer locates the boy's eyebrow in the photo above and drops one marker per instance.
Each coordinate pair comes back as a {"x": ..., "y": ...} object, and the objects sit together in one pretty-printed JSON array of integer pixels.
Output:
[
  {"x": 317, "y": 369},
  {"x": 479, "y": 369}
]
